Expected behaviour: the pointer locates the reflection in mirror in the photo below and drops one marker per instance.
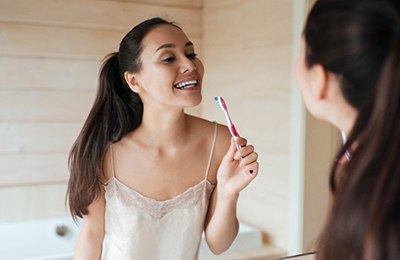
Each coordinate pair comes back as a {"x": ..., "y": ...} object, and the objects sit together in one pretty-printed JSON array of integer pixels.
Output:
[{"x": 49, "y": 60}]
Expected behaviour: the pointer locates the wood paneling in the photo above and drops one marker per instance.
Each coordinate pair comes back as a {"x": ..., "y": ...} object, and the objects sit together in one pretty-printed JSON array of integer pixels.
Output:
[
  {"x": 45, "y": 106},
  {"x": 321, "y": 139},
  {"x": 45, "y": 41},
  {"x": 33, "y": 168},
  {"x": 47, "y": 137},
  {"x": 179, "y": 3},
  {"x": 106, "y": 15},
  {"x": 248, "y": 59},
  {"x": 23, "y": 73},
  {"x": 32, "y": 202},
  {"x": 73, "y": 43}
]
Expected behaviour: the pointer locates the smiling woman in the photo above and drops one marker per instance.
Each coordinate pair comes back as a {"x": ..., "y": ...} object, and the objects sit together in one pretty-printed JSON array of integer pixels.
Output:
[
  {"x": 137, "y": 197},
  {"x": 169, "y": 58}
]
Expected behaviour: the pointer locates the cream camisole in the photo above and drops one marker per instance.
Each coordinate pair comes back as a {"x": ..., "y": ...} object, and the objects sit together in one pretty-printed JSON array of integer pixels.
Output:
[{"x": 141, "y": 228}]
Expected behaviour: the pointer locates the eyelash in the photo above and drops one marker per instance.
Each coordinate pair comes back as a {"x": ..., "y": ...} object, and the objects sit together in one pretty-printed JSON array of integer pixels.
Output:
[
  {"x": 190, "y": 56},
  {"x": 168, "y": 60}
]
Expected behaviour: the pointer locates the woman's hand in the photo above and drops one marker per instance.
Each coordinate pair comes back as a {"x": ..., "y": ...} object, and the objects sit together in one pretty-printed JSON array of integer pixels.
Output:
[{"x": 237, "y": 169}]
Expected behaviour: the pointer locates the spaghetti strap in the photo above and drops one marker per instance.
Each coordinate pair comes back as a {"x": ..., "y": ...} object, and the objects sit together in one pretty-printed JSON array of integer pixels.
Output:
[
  {"x": 212, "y": 149},
  {"x": 112, "y": 161}
]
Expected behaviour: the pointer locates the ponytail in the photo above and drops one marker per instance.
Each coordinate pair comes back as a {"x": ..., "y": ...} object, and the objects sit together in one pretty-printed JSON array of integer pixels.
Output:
[{"x": 116, "y": 111}]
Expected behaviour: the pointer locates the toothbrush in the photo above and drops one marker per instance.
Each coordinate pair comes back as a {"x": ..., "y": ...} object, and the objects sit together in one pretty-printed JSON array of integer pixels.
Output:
[{"x": 221, "y": 104}]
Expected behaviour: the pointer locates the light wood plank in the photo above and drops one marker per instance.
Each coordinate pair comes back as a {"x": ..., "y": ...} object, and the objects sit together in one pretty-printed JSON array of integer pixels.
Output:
[
  {"x": 47, "y": 106},
  {"x": 254, "y": 73},
  {"x": 54, "y": 42},
  {"x": 44, "y": 73},
  {"x": 109, "y": 15},
  {"x": 32, "y": 202},
  {"x": 176, "y": 3},
  {"x": 25, "y": 137},
  {"x": 44, "y": 41},
  {"x": 25, "y": 169},
  {"x": 319, "y": 155}
]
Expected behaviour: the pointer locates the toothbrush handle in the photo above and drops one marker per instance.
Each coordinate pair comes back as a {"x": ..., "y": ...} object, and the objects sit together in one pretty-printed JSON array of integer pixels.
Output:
[
  {"x": 234, "y": 134},
  {"x": 238, "y": 147}
]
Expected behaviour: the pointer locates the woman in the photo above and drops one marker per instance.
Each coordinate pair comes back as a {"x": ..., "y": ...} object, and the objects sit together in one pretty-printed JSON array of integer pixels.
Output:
[
  {"x": 143, "y": 171},
  {"x": 349, "y": 75}
]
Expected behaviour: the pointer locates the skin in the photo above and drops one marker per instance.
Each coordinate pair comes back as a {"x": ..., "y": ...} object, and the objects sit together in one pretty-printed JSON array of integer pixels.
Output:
[
  {"x": 322, "y": 95},
  {"x": 168, "y": 153}
]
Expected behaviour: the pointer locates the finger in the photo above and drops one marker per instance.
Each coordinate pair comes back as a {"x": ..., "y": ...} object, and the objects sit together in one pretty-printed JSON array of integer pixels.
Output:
[
  {"x": 249, "y": 159},
  {"x": 244, "y": 151},
  {"x": 231, "y": 152},
  {"x": 241, "y": 141},
  {"x": 252, "y": 169}
]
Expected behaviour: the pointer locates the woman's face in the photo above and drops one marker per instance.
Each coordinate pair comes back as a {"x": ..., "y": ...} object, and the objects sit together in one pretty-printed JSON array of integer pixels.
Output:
[{"x": 171, "y": 74}]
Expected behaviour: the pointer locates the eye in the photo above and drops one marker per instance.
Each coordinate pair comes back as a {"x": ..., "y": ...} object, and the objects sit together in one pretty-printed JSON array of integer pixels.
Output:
[
  {"x": 169, "y": 60},
  {"x": 191, "y": 56}
]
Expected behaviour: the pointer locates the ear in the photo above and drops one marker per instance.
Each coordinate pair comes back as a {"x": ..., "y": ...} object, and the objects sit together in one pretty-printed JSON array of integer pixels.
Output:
[
  {"x": 132, "y": 81},
  {"x": 319, "y": 78}
]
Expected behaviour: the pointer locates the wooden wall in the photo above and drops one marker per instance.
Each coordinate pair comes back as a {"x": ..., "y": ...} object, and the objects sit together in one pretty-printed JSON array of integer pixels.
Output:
[
  {"x": 249, "y": 52},
  {"x": 248, "y": 59}
]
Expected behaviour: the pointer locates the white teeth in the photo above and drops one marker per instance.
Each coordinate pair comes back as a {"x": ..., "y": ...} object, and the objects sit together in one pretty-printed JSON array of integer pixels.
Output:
[{"x": 186, "y": 84}]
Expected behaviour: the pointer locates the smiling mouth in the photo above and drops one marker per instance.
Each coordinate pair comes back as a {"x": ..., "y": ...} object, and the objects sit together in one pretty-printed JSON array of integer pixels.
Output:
[{"x": 186, "y": 84}]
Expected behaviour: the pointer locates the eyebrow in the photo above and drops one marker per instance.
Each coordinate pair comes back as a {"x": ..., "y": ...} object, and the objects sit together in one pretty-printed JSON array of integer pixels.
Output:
[{"x": 170, "y": 45}]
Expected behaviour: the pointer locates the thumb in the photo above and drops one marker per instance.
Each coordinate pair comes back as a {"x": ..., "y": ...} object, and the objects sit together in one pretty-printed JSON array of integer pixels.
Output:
[{"x": 231, "y": 152}]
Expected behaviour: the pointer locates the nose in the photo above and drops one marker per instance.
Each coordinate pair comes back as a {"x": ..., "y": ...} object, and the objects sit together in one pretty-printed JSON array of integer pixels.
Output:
[{"x": 187, "y": 65}]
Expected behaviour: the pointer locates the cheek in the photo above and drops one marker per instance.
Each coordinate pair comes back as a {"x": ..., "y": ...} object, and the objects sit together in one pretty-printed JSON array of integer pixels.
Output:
[
  {"x": 200, "y": 67},
  {"x": 300, "y": 75}
]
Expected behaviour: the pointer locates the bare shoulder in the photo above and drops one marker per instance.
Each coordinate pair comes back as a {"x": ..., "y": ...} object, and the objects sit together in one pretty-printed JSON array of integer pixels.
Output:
[
  {"x": 206, "y": 129},
  {"x": 205, "y": 126},
  {"x": 222, "y": 144},
  {"x": 223, "y": 141},
  {"x": 199, "y": 122}
]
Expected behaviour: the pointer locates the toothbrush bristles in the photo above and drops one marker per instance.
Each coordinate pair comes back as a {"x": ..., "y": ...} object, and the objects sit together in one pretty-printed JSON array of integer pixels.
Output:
[{"x": 218, "y": 101}]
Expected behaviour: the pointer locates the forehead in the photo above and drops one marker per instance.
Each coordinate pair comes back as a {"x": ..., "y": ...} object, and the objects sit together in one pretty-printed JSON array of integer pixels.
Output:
[{"x": 164, "y": 34}]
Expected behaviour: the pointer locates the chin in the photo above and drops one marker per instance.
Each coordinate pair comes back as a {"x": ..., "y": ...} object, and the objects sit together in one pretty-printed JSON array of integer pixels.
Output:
[{"x": 195, "y": 101}]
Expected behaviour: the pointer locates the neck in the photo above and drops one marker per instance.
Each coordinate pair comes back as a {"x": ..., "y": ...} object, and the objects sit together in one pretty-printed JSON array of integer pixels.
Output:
[
  {"x": 345, "y": 119},
  {"x": 163, "y": 129}
]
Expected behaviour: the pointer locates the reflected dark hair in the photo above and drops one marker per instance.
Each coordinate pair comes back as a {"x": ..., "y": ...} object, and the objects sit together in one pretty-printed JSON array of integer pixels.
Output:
[
  {"x": 116, "y": 111},
  {"x": 359, "y": 41}
]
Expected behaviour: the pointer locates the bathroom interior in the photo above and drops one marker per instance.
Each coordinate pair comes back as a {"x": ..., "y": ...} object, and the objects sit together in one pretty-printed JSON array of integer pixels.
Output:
[{"x": 50, "y": 53}]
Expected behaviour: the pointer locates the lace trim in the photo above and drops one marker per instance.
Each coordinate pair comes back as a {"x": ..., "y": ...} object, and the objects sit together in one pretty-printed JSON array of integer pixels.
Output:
[{"x": 155, "y": 208}]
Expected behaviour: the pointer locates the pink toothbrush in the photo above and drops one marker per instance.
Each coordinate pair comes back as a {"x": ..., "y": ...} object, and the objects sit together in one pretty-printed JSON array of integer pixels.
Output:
[{"x": 221, "y": 103}]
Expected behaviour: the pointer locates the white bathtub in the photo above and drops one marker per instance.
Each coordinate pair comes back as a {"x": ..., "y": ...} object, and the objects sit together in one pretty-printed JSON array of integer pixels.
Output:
[{"x": 38, "y": 240}]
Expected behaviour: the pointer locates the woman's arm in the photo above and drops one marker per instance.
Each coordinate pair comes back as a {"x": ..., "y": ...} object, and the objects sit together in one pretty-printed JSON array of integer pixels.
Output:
[
  {"x": 237, "y": 170},
  {"x": 89, "y": 245}
]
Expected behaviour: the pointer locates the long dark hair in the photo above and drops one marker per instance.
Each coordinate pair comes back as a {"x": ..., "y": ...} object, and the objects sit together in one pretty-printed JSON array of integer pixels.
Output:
[
  {"x": 359, "y": 41},
  {"x": 116, "y": 111}
]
